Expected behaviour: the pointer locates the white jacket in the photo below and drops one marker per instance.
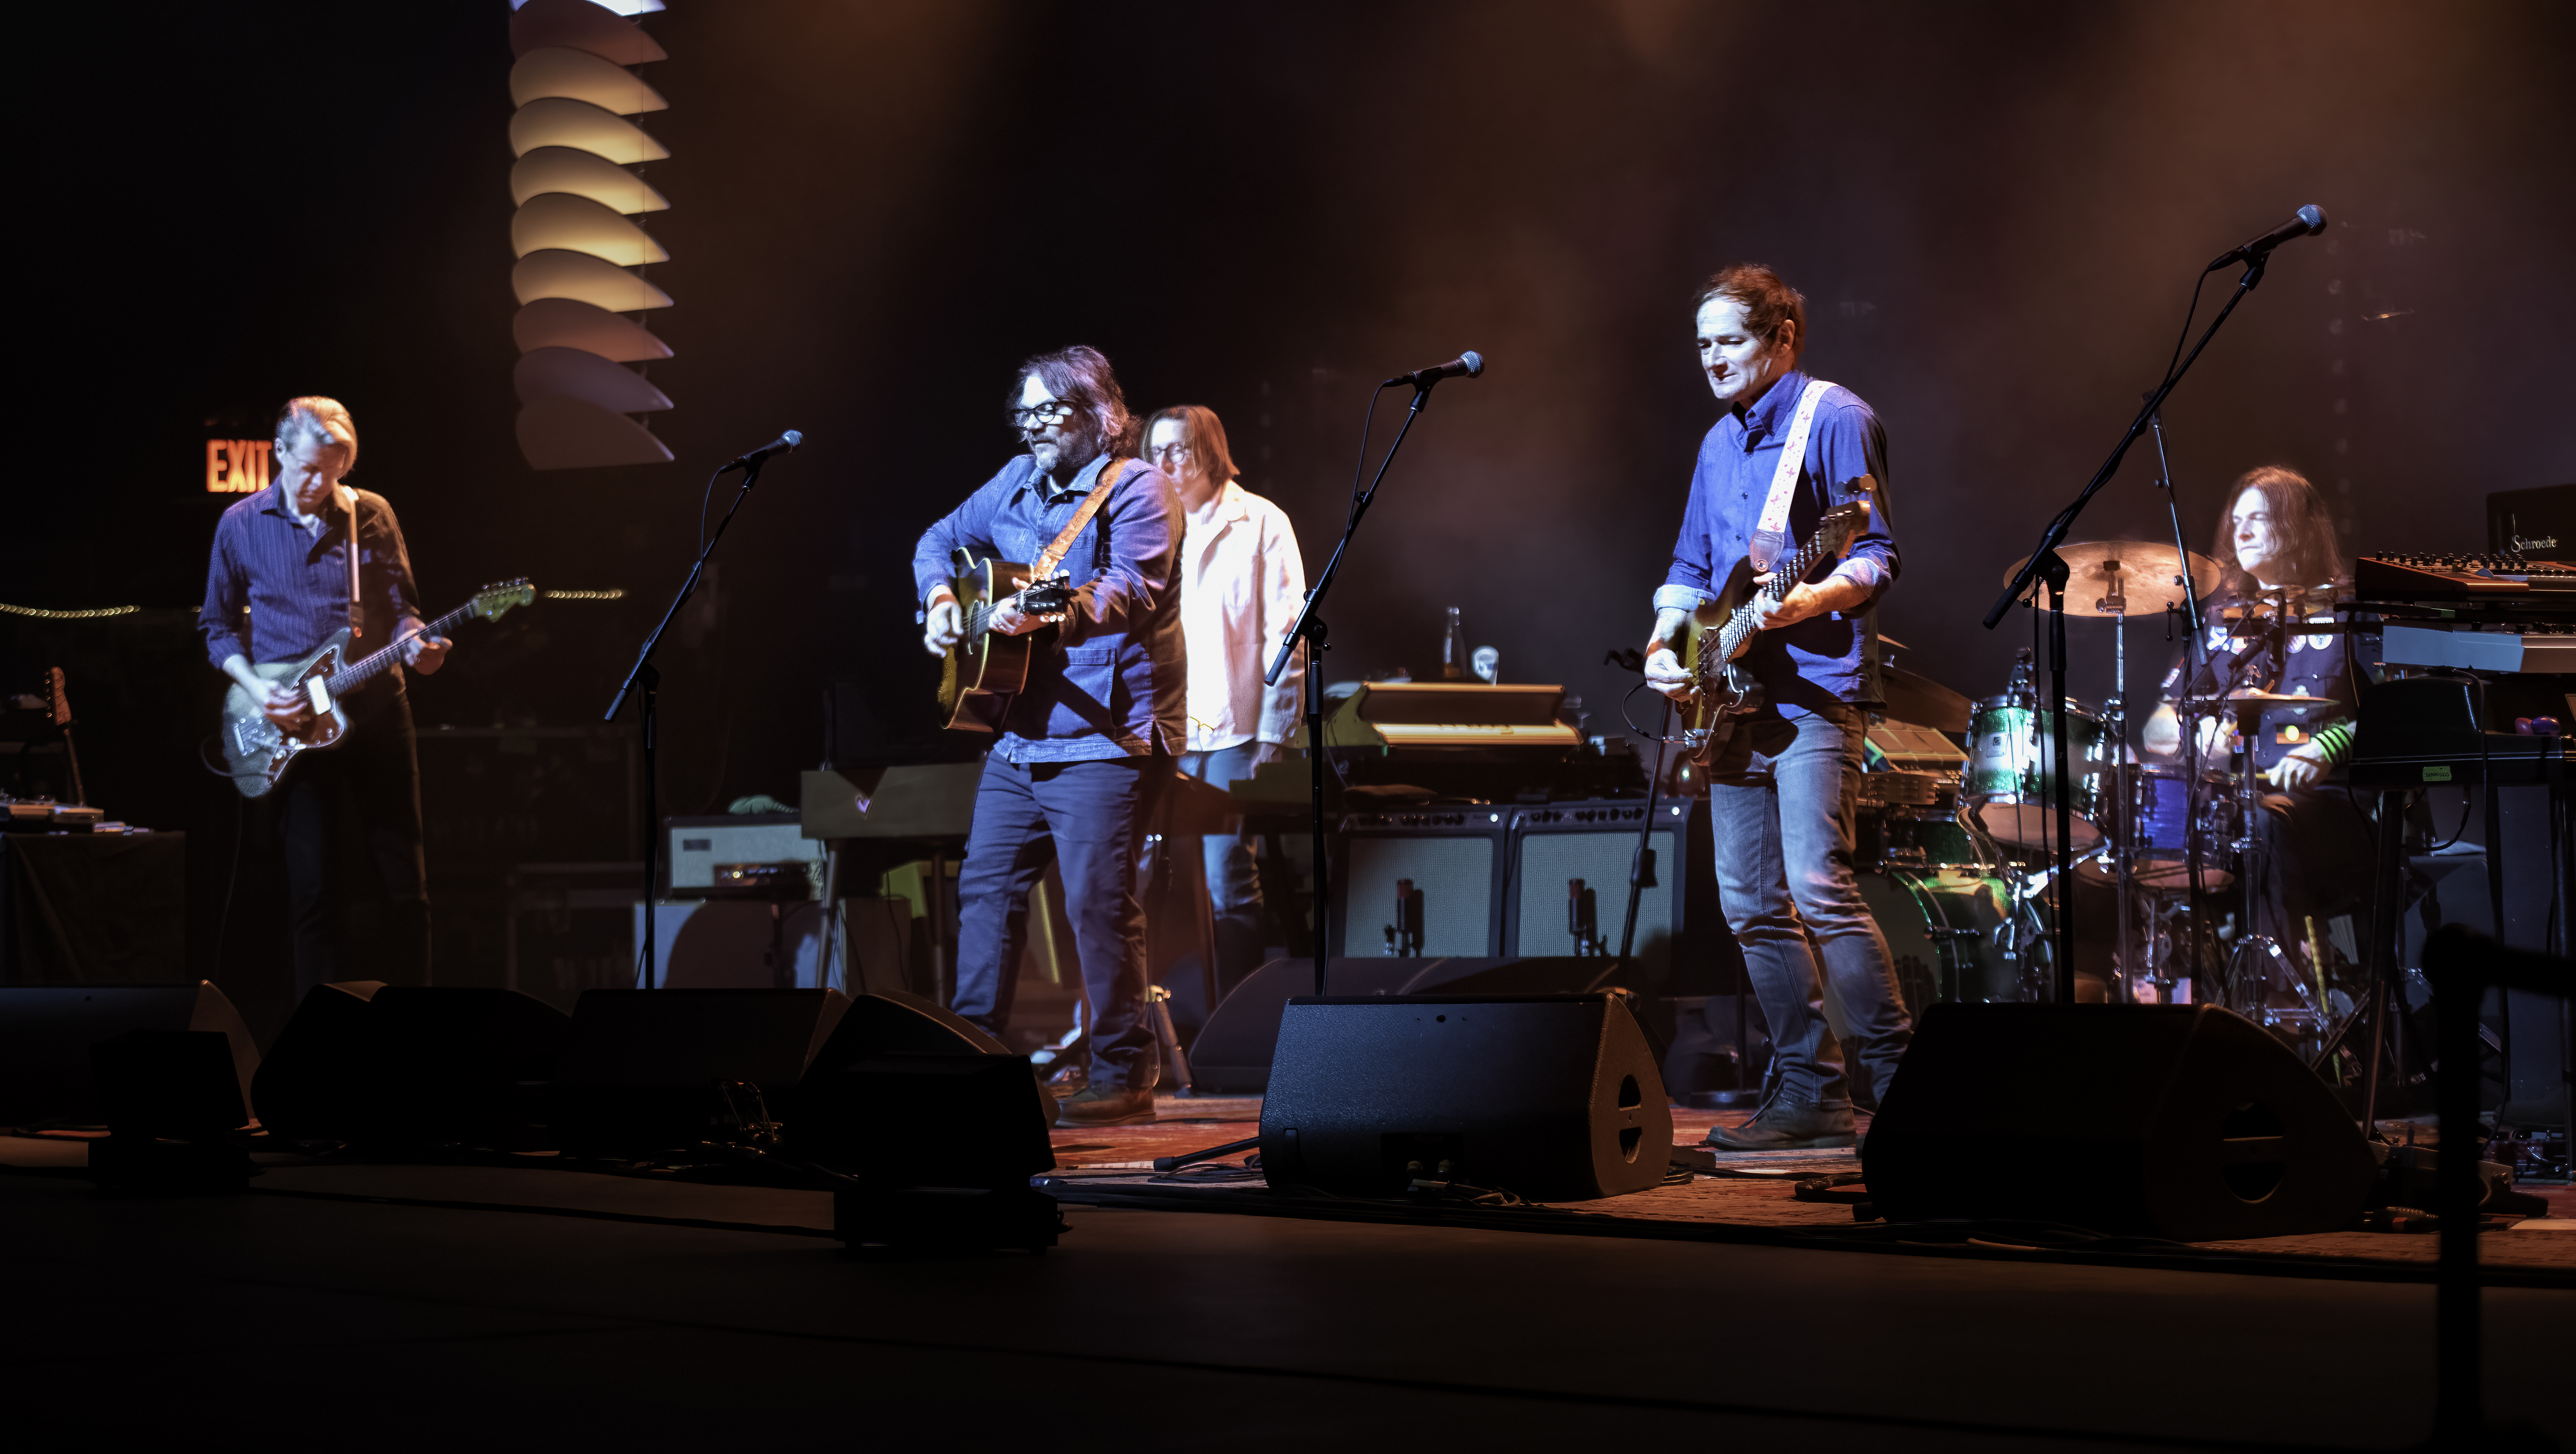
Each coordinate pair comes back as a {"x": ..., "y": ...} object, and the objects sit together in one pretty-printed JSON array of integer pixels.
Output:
[{"x": 1242, "y": 584}]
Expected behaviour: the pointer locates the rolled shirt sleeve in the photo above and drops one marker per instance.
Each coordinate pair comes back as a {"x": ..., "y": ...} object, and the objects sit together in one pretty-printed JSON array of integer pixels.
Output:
[{"x": 969, "y": 525}]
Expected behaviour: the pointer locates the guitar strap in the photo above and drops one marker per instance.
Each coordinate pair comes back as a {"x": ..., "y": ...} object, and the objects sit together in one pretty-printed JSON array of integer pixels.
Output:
[
  {"x": 357, "y": 610},
  {"x": 1054, "y": 553},
  {"x": 1771, "y": 532}
]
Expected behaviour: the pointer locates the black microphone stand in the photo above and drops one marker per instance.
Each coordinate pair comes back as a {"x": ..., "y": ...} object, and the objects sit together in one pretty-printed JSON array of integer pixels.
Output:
[
  {"x": 1310, "y": 629},
  {"x": 2045, "y": 560},
  {"x": 646, "y": 680}
]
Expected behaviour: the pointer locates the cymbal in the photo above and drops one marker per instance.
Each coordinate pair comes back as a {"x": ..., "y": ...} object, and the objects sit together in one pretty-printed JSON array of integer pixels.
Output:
[
  {"x": 1917, "y": 699},
  {"x": 2277, "y": 699},
  {"x": 2150, "y": 576}
]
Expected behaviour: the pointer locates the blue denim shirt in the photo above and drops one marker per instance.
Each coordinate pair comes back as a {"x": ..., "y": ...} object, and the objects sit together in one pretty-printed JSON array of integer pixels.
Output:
[
  {"x": 1829, "y": 658},
  {"x": 1110, "y": 681}
]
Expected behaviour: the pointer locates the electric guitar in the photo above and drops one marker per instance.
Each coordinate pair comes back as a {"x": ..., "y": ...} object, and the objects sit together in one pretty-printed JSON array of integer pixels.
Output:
[
  {"x": 1723, "y": 693},
  {"x": 986, "y": 667},
  {"x": 257, "y": 750}
]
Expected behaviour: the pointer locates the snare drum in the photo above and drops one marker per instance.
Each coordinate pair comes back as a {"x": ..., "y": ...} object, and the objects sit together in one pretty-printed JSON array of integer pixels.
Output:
[{"x": 2012, "y": 785}]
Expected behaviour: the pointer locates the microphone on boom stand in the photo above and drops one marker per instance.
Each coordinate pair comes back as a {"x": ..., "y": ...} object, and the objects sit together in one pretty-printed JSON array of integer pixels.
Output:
[
  {"x": 783, "y": 444},
  {"x": 2306, "y": 221},
  {"x": 1465, "y": 365}
]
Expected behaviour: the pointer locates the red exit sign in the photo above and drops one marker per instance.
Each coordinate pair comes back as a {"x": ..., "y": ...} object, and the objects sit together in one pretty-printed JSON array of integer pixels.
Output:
[{"x": 236, "y": 466}]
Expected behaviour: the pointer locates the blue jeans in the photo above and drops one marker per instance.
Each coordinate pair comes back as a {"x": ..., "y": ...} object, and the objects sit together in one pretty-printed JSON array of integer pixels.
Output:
[
  {"x": 1234, "y": 883},
  {"x": 1086, "y": 816},
  {"x": 1780, "y": 808}
]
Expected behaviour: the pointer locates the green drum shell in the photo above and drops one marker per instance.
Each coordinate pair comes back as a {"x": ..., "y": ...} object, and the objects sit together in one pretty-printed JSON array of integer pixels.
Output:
[{"x": 2012, "y": 749}]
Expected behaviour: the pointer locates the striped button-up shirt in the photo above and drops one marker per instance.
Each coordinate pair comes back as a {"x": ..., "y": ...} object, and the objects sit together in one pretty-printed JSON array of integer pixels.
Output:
[{"x": 275, "y": 590}]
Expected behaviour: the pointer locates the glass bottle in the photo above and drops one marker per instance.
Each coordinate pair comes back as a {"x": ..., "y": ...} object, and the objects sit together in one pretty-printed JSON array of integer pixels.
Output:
[{"x": 1453, "y": 649}]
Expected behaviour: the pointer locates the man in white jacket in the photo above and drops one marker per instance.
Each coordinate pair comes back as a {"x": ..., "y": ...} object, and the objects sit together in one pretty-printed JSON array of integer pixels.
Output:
[{"x": 1242, "y": 583}]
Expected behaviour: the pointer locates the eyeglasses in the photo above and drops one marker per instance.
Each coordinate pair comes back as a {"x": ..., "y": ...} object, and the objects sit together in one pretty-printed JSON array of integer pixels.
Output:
[
  {"x": 1053, "y": 411},
  {"x": 1174, "y": 450}
]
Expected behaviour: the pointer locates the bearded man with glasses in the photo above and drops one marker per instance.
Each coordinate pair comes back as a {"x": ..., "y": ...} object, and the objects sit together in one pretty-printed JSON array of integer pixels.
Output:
[{"x": 1097, "y": 725}]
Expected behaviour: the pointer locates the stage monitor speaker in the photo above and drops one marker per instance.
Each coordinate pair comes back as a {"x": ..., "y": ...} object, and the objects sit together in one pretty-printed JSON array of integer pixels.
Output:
[
  {"x": 640, "y": 1068},
  {"x": 1232, "y": 1054},
  {"x": 379, "y": 1065},
  {"x": 2179, "y": 1121},
  {"x": 174, "y": 1084},
  {"x": 891, "y": 1022},
  {"x": 1551, "y": 1097},
  {"x": 1569, "y": 891},
  {"x": 47, "y": 1031},
  {"x": 1423, "y": 882},
  {"x": 926, "y": 1121}
]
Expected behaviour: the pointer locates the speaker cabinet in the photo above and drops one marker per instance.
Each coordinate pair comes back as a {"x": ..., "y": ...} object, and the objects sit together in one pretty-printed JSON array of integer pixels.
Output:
[
  {"x": 2178, "y": 1121},
  {"x": 1435, "y": 873},
  {"x": 1232, "y": 1054},
  {"x": 927, "y": 1121},
  {"x": 1552, "y": 1097},
  {"x": 640, "y": 1068},
  {"x": 46, "y": 1032},
  {"x": 402, "y": 1065},
  {"x": 891, "y": 1022},
  {"x": 1569, "y": 884}
]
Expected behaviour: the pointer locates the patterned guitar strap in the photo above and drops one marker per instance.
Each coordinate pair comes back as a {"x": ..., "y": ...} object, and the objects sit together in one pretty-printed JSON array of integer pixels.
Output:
[{"x": 1771, "y": 533}]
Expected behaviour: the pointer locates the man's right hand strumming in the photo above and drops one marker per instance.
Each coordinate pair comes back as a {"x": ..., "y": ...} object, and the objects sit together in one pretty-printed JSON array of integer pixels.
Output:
[
  {"x": 942, "y": 625},
  {"x": 1666, "y": 674},
  {"x": 1664, "y": 669}
]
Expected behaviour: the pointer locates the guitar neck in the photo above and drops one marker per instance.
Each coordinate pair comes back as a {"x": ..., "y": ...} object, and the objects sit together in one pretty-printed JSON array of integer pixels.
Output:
[{"x": 367, "y": 668}]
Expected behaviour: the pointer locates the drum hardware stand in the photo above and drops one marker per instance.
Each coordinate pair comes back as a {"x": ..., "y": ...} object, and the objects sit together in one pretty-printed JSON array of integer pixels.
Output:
[
  {"x": 2115, "y": 725},
  {"x": 2195, "y": 842}
]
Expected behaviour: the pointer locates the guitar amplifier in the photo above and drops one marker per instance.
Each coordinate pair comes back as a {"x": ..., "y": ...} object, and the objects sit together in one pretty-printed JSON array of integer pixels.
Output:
[
  {"x": 1569, "y": 884},
  {"x": 692, "y": 847},
  {"x": 1424, "y": 882}
]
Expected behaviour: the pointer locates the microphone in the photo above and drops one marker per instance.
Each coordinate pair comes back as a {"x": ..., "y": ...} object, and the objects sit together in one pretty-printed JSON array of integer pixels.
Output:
[
  {"x": 783, "y": 444},
  {"x": 2308, "y": 219},
  {"x": 1468, "y": 365}
]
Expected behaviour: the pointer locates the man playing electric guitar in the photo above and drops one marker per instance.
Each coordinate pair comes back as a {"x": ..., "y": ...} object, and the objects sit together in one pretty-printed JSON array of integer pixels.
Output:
[
  {"x": 283, "y": 577},
  {"x": 1096, "y": 723},
  {"x": 1785, "y": 778}
]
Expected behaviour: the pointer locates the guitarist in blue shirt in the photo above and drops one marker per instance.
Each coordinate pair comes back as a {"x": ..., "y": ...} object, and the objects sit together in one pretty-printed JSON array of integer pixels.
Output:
[
  {"x": 1100, "y": 718},
  {"x": 281, "y": 579},
  {"x": 1784, "y": 780}
]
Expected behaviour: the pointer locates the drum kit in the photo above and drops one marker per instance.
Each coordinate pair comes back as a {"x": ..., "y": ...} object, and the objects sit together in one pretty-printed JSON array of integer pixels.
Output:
[{"x": 1959, "y": 843}]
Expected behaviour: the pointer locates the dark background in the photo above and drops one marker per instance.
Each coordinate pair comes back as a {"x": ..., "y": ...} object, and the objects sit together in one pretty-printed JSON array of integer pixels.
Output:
[{"x": 1995, "y": 212}]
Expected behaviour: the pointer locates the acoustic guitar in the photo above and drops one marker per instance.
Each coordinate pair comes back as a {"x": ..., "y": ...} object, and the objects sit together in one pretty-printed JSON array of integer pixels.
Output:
[
  {"x": 979, "y": 673},
  {"x": 258, "y": 751},
  {"x": 1723, "y": 693}
]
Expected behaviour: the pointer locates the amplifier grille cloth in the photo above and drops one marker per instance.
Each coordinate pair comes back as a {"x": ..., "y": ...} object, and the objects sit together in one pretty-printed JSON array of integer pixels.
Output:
[
  {"x": 1455, "y": 877},
  {"x": 1548, "y": 860}
]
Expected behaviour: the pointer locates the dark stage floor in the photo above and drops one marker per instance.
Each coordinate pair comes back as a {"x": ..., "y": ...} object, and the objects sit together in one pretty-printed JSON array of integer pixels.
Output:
[{"x": 285, "y": 1320}]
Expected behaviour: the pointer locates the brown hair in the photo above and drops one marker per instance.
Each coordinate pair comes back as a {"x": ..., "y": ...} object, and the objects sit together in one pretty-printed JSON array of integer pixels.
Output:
[
  {"x": 1082, "y": 377},
  {"x": 1767, "y": 300},
  {"x": 2309, "y": 553},
  {"x": 1202, "y": 432},
  {"x": 308, "y": 414}
]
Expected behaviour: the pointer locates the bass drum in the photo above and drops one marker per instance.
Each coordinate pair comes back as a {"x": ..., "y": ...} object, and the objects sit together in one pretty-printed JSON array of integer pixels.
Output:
[{"x": 1942, "y": 928}]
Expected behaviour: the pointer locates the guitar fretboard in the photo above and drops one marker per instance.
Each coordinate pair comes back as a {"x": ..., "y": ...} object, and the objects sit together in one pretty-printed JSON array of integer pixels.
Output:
[{"x": 365, "y": 669}]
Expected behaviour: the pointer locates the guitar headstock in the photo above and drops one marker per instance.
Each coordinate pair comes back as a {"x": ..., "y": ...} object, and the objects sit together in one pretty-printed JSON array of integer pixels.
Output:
[
  {"x": 1048, "y": 599},
  {"x": 492, "y": 600}
]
